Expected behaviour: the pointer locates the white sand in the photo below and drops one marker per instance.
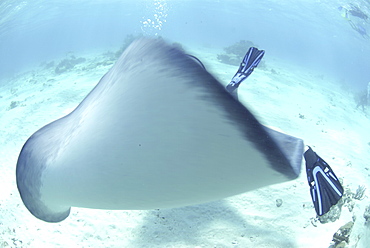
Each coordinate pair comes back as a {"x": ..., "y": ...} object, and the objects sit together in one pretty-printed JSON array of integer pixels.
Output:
[{"x": 331, "y": 125}]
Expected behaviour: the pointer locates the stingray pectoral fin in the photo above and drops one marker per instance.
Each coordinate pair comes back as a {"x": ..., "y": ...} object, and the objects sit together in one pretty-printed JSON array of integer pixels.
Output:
[
  {"x": 292, "y": 148},
  {"x": 37, "y": 153}
]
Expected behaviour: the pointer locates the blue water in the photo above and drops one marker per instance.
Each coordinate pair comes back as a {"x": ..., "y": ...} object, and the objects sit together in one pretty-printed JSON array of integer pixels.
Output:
[{"x": 311, "y": 34}]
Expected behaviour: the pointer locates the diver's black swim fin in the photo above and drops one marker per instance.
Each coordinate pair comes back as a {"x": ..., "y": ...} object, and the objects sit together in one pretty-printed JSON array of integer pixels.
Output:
[
  {"x": 250, "y": 61},
  {"x": 325, "y": 187}
]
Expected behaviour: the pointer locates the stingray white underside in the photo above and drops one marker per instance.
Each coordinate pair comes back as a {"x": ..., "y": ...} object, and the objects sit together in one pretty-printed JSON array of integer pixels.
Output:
[{"x": 158, "y": 131}]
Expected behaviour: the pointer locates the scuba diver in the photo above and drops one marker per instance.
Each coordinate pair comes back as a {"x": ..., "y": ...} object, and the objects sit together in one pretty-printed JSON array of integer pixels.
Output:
[
  {"x": 364, "y": 98},
  {"x": 325, "y": 188},
  {"x": 362, "y": 101},
  {"x": 359, "y": 28},
  {"x": 355, "y": 11}
]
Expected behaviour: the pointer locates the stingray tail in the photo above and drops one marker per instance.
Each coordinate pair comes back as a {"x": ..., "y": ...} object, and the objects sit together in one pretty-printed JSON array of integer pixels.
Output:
[{"x": 251, "y": 60}]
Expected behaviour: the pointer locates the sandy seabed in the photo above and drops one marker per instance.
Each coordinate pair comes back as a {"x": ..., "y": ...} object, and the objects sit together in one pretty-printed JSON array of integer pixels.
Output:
[{"x": 304, "y": 104}]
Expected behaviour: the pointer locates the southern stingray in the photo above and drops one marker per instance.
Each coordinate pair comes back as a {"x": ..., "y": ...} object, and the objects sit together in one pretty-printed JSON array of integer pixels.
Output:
[{"x": 157, "y": 131}]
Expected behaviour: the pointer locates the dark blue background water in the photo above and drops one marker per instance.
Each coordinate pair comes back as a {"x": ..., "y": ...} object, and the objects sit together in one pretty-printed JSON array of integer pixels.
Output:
[{"x": 311, "y": 34}]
